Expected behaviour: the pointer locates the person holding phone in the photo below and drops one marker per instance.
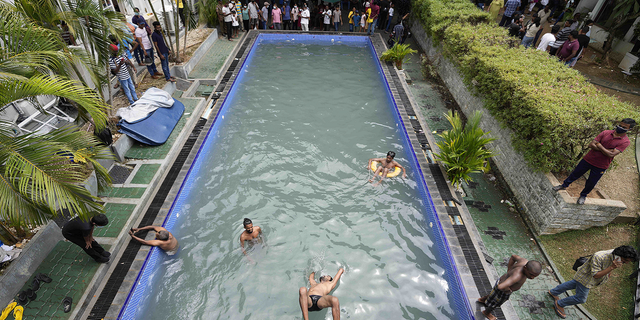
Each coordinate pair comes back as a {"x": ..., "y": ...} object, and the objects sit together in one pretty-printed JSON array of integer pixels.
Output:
[{"x": 591, "y": 274}]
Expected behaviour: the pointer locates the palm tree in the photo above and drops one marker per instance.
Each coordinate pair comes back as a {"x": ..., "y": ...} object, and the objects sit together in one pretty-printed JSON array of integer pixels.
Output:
[{"x": 36, "y": 177}]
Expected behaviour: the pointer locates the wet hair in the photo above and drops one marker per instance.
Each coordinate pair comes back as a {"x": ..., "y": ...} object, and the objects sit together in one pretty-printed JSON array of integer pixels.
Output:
[
  {"x": 534, "y": 267},
  {"x": 100, "y": 220},
  {"x": 626, "y": 252},
  {"x": 392, "y": 154},
  {"x": 246, "y": 222},
  {"x": 629, "y": 121},
  {"x": 163, "y": 235},
  {"x": 156, "y": 23},
  {"x": 323, "y": 277},
  {"x": 574, "y": 34},
  {"x": 555, "y": 29}
]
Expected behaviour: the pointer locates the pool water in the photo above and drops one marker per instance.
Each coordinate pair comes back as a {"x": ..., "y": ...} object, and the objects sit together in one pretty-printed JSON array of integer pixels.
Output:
[{"x": 289, "y": 150}]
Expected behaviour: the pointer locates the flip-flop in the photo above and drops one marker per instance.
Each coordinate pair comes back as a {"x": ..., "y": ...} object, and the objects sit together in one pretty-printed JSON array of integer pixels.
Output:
[
  {"x": 7, "y": 310},
  {"x": 66, "y": 302},
  {"x": 35, "y": 284},
  {"x": 22, "y": 298},
  {"x": 17, "y": 312},
  {"x": 43, "y": 278},
  {"x": 31, "y": 294}
]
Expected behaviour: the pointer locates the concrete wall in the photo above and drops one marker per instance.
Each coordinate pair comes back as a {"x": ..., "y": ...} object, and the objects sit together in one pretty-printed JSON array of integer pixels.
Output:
[{"x": 549, "y": 211}]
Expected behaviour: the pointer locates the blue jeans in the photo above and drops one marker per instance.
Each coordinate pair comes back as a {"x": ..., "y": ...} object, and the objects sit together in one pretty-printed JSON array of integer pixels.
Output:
[
  {"x": 595, "y": 174},
  {"x": 335, "y": 24},
  {"x": 372, "y": 26},
  {"x": 350, "y": 27},
  {"x": 129, "y": 90},
  {"x": 152, "y": 67},
  {"x": 263, "y": 25},
  {"x": 570, "y": 61},
  {"x": 526, "y": 41},
  {"x": 139, "y": 54},
  {"x": 388, "y": 23},
  {"x": 580, "y": 297},
  {"x": 165, "y": 65}
]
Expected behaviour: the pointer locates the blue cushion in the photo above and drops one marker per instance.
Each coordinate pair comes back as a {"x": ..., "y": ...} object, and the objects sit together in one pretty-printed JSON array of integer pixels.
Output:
[{"x": 156, "y": 128}]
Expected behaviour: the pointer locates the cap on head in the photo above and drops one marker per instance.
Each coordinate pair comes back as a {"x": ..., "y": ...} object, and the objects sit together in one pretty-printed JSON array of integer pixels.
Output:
[
  {"x": 266, "y": 4},
  {"x": 113, "y": 47}
]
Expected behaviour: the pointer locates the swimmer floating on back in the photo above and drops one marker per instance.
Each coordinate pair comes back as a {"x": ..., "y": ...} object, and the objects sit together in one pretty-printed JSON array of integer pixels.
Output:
[
  {"x": 318, "y": 298},
  {"x": 386, "y": 165}
]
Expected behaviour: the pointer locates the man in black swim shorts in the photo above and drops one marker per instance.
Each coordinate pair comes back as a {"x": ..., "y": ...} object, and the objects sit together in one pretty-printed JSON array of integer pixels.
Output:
[{"x": 318, "y": 298}]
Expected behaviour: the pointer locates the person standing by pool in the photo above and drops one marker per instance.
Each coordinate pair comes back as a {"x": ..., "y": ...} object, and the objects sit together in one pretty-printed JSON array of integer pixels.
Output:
[
  {"x": 276, "y": 17},
  {"x": 304, "y": 18},
  {"x": 518, "y": 271},
  {"x": 164, "y": 239},
  {"x": 253, "y": 14},
  {"x": 163, "y": 51},
  {"x": 250, "y": 232},
  {"x": 386, "y": 165},
  {"x": 142, "y": 38},
  {"x": 81, "y": 234},
  {"x": 318, "y": 298}
]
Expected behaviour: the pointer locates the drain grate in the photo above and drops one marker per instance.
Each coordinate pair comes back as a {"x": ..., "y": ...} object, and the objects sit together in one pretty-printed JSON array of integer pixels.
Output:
[{"x": 119, "y": 174}]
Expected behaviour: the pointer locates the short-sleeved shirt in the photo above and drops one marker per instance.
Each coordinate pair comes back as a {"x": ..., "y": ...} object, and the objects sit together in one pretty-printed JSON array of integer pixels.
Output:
[
  {"x": 510, "y": 7},
  {"x": 561, "y": 37},
  {"x": 375, "y": 11},
  {"x": 287, "y": 13},
  {"x": 608, "y": 140},
  {"x": 351, "y": 13},
  {"x": 596, "y": 263},
  {"x": 238, "y": 8},
  {"x": 583, "y": 40},
  {"x": 304, "y": 14},
  {"x": 390, "y": 12},
  {"x": 225, "y": 13},
  {"x": 546, "y": 40},
  {"x": 157, "y": 38},
  {"x": 356, "y": 19},
  {"x": 398, "y": 31},
  {"x": 277, "y": 15},
  {"x": 142, "y": 34},
  {"x": 123, "y": 74},
  {"x": 265, "y": 13},
  {"x": 567, "y": 48},
  {"x": 531, "y": 30},
  {"x": 137, "y": 19},
  {"x": 253, "y": 11},
  {"x": 327, "y": 17},
  {"x": 336, "y": 15},
  {"x": 77, "y": 227}
]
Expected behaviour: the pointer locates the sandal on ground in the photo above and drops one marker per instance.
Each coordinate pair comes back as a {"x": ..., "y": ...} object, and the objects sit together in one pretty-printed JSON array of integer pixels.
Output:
[
  {"x": 31, "y": 294},
  {"x": 7, "y": 310},
  {"x": 35, "y": 284},
  {"x": 66, "y": 302},
  {"x": 43, "y": 278},
  {"x": 17, "y": 312},
  {"x": 22, "y": 298}
]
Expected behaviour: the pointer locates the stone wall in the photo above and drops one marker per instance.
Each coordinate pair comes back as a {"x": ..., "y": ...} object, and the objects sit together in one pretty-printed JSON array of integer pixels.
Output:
[{"x": 548, "y": 211}]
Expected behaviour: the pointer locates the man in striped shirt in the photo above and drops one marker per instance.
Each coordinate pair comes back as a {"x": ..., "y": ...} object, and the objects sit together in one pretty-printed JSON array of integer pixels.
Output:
[
  {"x": 119, "y": 65},
  {"x": 561, "y": 37}
]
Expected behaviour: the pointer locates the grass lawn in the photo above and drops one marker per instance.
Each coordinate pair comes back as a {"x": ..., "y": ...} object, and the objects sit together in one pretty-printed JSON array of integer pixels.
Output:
[{"x": 614, "y": 299}]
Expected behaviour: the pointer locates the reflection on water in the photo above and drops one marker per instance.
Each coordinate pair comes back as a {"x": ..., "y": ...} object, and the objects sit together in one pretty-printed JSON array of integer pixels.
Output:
[{"x": 290, "y": 154}]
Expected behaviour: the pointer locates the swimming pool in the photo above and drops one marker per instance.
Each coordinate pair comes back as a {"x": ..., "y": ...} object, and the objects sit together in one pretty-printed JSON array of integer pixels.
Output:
[{"x": 288, "y": 149}]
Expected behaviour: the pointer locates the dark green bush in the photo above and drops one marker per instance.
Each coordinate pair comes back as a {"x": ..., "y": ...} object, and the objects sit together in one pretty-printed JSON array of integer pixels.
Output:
[{"x": 552, "y": 110}]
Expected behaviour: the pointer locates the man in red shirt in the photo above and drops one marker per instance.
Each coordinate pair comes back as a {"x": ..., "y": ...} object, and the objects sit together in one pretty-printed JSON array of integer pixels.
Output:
[
  {"x": 569, "y": 48},
  {"x": 604, "y": 148}
]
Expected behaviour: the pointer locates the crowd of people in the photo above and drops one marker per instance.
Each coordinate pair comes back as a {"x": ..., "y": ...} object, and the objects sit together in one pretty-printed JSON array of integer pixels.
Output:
[{"x": 566, "y": 40}]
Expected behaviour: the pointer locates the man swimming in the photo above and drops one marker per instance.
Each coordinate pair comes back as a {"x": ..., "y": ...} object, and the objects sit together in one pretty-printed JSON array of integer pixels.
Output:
[
  {"x": 164, "y": 239},
  {"x": 250, "y": 232},
  {"x": 386, "y": 165},
  {"x": 318, "y": 298}
]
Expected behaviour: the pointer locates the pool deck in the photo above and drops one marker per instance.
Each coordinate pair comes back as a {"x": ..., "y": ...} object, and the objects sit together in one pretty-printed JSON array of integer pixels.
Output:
[{"x": 146, "y": 184}]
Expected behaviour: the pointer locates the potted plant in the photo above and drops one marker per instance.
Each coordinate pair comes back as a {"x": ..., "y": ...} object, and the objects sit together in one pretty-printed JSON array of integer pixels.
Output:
[
  {"x": 397, "y": 54},
  {"x": 462, "y": 150}
]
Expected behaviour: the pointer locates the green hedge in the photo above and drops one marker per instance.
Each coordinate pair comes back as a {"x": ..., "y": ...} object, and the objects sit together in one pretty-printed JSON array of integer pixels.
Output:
[{"x": 552, "y": 110}]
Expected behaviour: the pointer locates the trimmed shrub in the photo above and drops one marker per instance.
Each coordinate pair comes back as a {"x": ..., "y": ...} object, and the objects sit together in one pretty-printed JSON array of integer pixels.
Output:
[{"x": 552, "y": 110}]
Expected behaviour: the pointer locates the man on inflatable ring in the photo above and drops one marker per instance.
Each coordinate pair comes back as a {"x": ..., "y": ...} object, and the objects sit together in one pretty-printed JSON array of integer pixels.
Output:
[{"x": 387, "y": 168}]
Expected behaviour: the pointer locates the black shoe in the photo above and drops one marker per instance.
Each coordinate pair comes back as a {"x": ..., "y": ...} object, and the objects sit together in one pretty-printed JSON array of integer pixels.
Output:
[
  {"x": 31, "y": 294},
  {"x": 35, "y": 284},
  {"x": 106, "y": 254},
  {"x": 22, "y": 298},
  {"x": 102, "y": 260},
  {"x": 558, "y": 188},
  {"x": 43, "y": 278},
  {"x": 581, "y": 200}
]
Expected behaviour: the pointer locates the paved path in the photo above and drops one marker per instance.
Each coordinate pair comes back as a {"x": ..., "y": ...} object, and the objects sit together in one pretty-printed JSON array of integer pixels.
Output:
[
  {"x": 70, "y": 268},
  {"x": 502, "y": 231}
]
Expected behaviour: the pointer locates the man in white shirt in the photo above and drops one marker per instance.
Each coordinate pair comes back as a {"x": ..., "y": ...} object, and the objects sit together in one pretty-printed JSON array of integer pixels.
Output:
[
  {"x": 228, "y": 19},
  {"x": 143, "y": 39},
  {"x": 548, "y": 38},
  {"x": 391, "y": 10},
  {"x": 304, "y": 21},
  {"x": 253, "y": 14},
  {"x": 327, "y": 19}
]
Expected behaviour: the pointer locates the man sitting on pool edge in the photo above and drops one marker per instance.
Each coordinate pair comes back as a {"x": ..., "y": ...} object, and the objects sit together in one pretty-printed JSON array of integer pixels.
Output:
[
  {"x": 164, "y": 239},
  {"x": 386, "y": 165},
  {"x": 318, "y": 298},
  {"x": 250, "y": 232}
]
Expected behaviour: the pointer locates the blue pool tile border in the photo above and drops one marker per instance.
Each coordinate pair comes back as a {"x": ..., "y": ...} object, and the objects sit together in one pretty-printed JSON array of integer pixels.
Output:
[{"x": 461, "y": 301}]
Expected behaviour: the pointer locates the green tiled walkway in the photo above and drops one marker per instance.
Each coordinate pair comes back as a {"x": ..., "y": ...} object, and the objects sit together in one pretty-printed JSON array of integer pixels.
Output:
[
  {"x": 214, "y": 59},
  {"x": 71, "y": 271},
  {"x": 70, "y": 268},
  {"x": 532, "y": 301}
]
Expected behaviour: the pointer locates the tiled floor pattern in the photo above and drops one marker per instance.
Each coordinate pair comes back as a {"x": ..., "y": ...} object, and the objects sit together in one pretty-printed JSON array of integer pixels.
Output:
[
  {"x": 145, "y": 174},
  {"x": 503, "y": 232},
  {"x": 208, "y": 67},
  {"x": 71, "y": 271}
]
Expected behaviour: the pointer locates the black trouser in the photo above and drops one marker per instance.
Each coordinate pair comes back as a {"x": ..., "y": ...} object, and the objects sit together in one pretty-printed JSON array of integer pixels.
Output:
[
  {"x": 95, "y": 251},
  {"x": 286, "y": 25},
  {"x": 504, "y": 19},
  {"x": 595, "y": 174},
  {"x": 227, "y": 25},
  {"x": 327, "y": 27},
  {"x": 181, "y": 14},
  {"x": 246, "y": 25}
]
